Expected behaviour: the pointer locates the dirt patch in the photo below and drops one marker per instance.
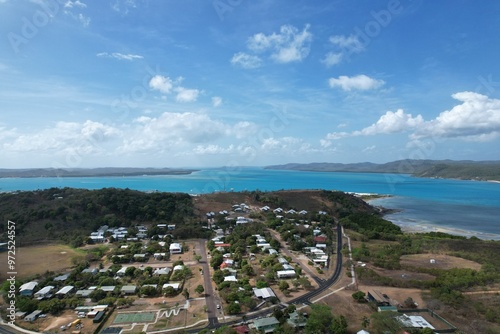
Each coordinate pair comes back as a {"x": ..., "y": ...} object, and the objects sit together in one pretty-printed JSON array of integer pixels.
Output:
[
  {"x": 441, "y": 261},
  {"x": 402, "y": 274}
]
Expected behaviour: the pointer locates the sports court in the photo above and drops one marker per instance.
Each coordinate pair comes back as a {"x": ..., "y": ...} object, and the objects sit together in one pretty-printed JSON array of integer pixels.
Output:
[{"x": 139, "y": 317}]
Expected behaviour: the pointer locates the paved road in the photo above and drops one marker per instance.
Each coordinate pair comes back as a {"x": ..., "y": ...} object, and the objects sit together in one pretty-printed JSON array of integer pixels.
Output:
[
  {"x": 209, "y": 291},
  {"x": 329, "y": 282}
]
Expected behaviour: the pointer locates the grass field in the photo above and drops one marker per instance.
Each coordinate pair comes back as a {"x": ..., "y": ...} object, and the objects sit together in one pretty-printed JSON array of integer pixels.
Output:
[
  {"x": 40, "y": 259},
  {"x": 122, "y": 318}
]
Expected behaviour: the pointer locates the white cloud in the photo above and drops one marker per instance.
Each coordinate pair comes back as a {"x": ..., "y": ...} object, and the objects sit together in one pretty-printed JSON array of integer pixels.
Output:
[
  {"x": 120, "y": 56},
  {"x": 392, "y": 122},
  {"x": 358, "y": 82},
  {"x": 246, "y": 61},
  {"x": 77, "y": 3},
  {"x": 347, "y": 43},
  {"x": 343, "y": 46},
  {"x": 161, "y": 83},
  {"x": 331, "y": 59},
  {"x": 171, "y": 131},
  {"x": 82, "y": 19},
  {"x": 186, "y": 95},
  {"x": 369, "y": 148},
  {"x": 477, "y": 118},
  {"x": 216, "y": 101},
  {"x": 166, "y": 85},
  {"x": 65, "y": 136},
  {"x": 123, "y": 6},
  {"x": 289, "y": 45}
]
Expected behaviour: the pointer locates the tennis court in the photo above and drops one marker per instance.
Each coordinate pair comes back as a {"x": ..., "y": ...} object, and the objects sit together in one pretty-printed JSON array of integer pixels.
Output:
[{"x": 134, "y": 317}]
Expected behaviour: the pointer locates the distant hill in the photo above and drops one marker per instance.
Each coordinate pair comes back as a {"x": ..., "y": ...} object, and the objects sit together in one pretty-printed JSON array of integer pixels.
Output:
[
  {"x": 464, "y": 169},
  {"x": 89, "y": 172}
]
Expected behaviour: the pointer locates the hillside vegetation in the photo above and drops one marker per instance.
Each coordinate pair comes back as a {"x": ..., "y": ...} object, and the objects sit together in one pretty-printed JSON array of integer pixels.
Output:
[
  {"x": 70, "y": 214},
  {"x": 466, "y": 170}
]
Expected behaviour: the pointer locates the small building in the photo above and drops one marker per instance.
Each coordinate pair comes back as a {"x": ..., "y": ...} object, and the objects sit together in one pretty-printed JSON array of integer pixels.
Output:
[
  {"x": 161, "y": 271},
  {"x": 296, "y": 320},
  {"x": 414, "y": 321},
  {"x": 83, "y": 293},
  {"x": 28, "y": 288},
  {"x": 286, "y": 274},
  {"x": 107, "y": 288},
  {"x": 121, "y": 272},
  {"x": 171, "y": 227},
  {"x": 61, "y": 278},
  {"x": 178, "y": 267},
  {"x": 44, "y": 292},
  {"x": 378, "y": 298},
  {"x": 175, "y": 286},
  {"x": 267, "y": 325},
  {"x": 175, "y": 248},
  {"x": 263, "y": 293},
  {"x": 33, "y": 315},
  {"x": 98, "y": 317},
  {"x": 92, "y": 271},
  {"x": 231, "y": 278},
  {"x": 129, "y": 289},
  {"x": 363, "y": 332},
  {"x": 64, "y": 291}
]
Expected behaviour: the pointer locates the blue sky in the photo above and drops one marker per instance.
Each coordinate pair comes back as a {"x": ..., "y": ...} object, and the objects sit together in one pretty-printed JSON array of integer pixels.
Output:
[{"x": 198, "y": 83}]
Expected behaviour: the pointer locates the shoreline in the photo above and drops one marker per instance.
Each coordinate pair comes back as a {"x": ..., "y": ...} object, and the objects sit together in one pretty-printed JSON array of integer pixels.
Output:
[{"x": 413, "y": 226}]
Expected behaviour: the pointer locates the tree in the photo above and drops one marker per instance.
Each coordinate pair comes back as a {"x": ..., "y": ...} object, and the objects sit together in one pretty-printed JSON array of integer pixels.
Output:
[
  {"x": 234, "y": 308},
  {"x": 199, "y": 289},
  {"x": 284, "y": 286},
  {"x": 197, "y": 258},
  {"x": 319, "y": 320},
  {"x": 216, "y": 261},
  {"x": 296, "y": 283},
  {"x": 339, "y": 325},
  {"x": 365, "y": 322},
  {"x": 148, "y": 291},
  {"x": 359, "y": 296},
  {"x": 185, "y": 293}
]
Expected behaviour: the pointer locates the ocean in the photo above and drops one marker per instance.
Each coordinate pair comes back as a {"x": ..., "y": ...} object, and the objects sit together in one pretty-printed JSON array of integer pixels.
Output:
[{"x": 470, "y": 208}]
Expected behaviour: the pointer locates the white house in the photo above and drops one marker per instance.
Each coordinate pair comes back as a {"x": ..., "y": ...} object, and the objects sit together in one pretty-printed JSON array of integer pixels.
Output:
[
  {"x": 44, "y": 292},
  {"x": 27, "y": 289},
  {"x": 175, "y": 248},
  {"x": 285, "y": 273}
]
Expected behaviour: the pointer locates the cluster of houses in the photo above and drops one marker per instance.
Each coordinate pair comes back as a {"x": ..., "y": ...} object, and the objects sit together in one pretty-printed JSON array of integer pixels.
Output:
[{"x": 104, "y": 233}]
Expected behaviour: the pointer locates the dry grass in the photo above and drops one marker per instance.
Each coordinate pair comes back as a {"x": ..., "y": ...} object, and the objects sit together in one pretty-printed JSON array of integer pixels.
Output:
[
  {"x": 39, "y": 259},
  {"x": 442, "y": 261}
]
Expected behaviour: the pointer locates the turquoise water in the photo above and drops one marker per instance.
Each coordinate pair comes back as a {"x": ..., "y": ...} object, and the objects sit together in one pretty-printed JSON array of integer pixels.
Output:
[{"x": 462, "y": 207}]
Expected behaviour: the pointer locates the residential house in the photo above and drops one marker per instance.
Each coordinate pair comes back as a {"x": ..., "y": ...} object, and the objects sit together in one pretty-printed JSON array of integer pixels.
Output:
[
  {"x": 64, "y": 291},
  {"x": 27, "y": 289},
  {"x": 267, "y": 325},
  {"x": 175, "y": 286},
  {"x": 263, "y": 293},
  {"x": 286, "y": 274},
  {"x": 175, "y": 248},
  {"x": 297, "y": 320},
  {"x": 128, "y": 289},
  {"x": 44, "y": 292},
  {"x": 161, "y": 271},
  {"x": 33, "y": 315}
]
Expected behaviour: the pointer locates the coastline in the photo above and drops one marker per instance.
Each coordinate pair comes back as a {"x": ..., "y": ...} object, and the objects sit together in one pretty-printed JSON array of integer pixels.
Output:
[{"x": 413, "y": 226}]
